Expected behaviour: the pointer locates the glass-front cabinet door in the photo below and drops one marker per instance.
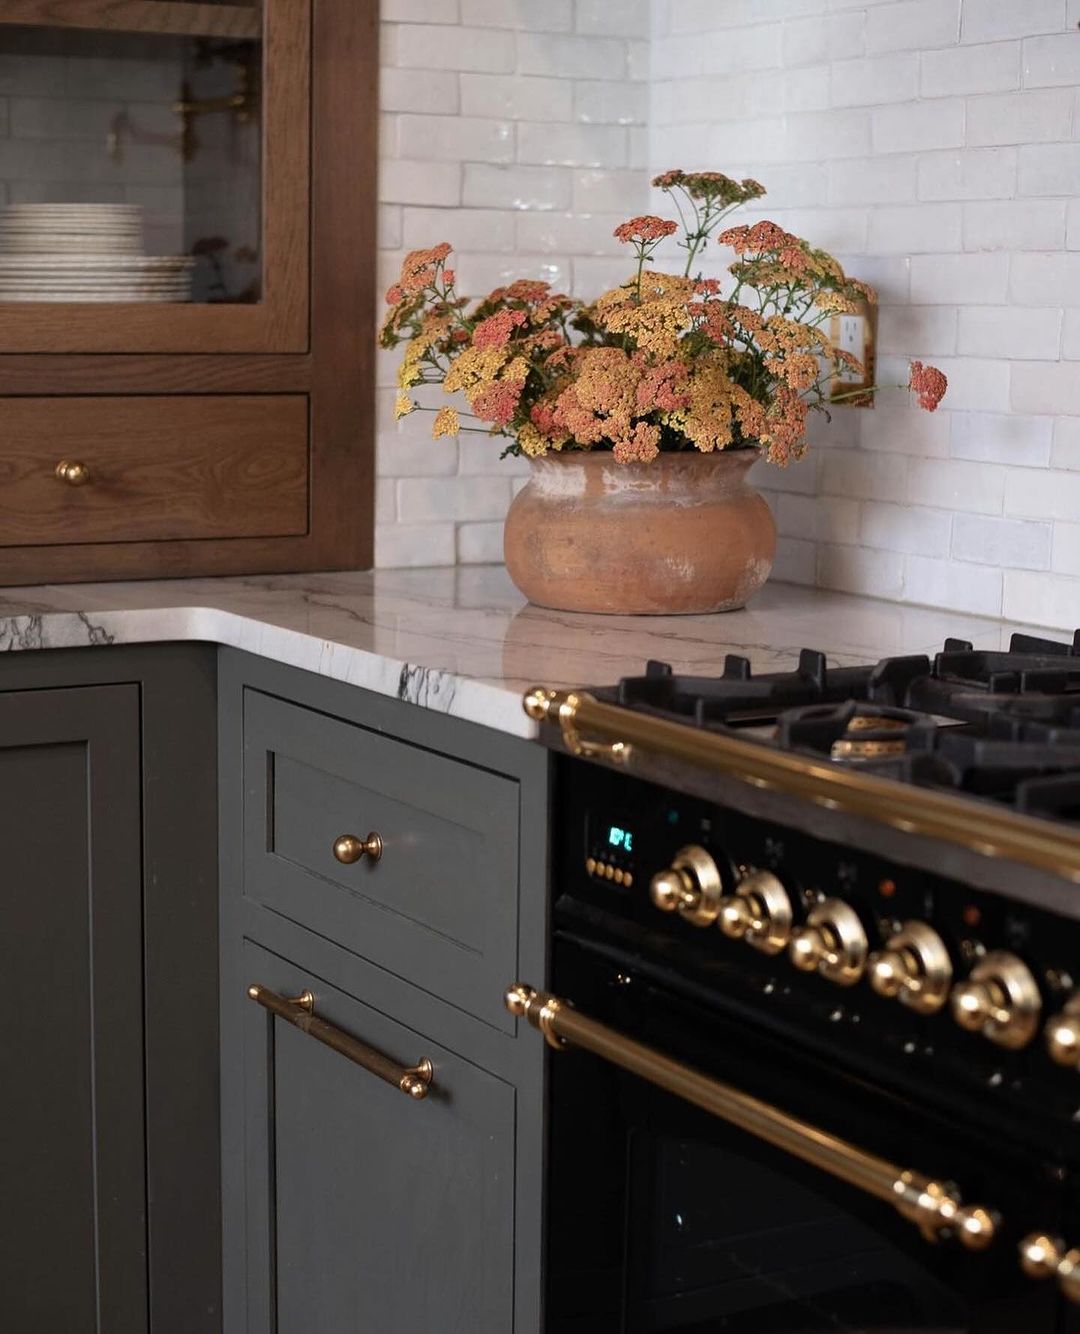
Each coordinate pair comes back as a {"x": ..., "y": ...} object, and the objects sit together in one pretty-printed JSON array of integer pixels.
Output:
[{"x": 154, "y": 175}]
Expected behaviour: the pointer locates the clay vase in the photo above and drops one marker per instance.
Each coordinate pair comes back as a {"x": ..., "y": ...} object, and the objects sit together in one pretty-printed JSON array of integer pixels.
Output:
[{"x": 683, "y": 534}]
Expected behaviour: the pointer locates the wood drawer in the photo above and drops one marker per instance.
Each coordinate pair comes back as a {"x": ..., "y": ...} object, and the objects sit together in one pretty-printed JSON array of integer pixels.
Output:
[
  {"x": 440, "y": 907},
  {"x": 159, "y": 468}
]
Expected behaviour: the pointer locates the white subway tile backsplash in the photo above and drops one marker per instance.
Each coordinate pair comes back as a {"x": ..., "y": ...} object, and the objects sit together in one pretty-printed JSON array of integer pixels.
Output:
[
  {"x": 610, "y": 191},
  {"x": 996, "y": 20},
  {"x": 862, "y": 570},
  {"x": 414, "y": 545},
  {"x": 915, "y": 228},
  {"x": 810, "y": 41},
  {"x": 902, "y": 429},
  {"x": 599, "y": 102},
  {"x": 515, "y": 97},
  {"x": 1045, "y": 279},
  {"x": 479, "y": 543},
  {"x": 975, "y": 173},
  {"x": 628, "y": 18},
  {"x": 526, "y": 15},
  {"x": 863, "y": 475},
  {"x": 914, "y": 25},
  {"x": 1037, "y": 493},
  {"x": 1065, "y": 450},
  {"x": 1044, "y": 386},
  {"x": 489, "y": 186},
  {"x": 1009, "y": 331},
  {"x": 872, "y": 80},
  {"x": 1049, "y": 169},
  {"x": 924, "y": 331},
  {"x": 915, "y": 126},
  {"x": 1066, "y": 558},
  {"x": 864, "y": 181},
  {"x": 1052, "y": 61},
  {"x": 1026, "y": 117},
  {"x": 402, "y": 182},
  {"x": 993, "y": 68},
  {"x": 959, "y": 279},
  {"x": 431, "y": 46},
  {"x": 574, "y": 145},
  {"x": 401, "y": 90},
  {"x": 456, "y": 138},
  {"x": 999, "y": 437},
  {"x": 571, "y": 57},
  {"x": 1041, "y": 599},
  {"x": 905, "y": 528},
  {"x": 957, "y": 485},
  {"x": 1014, "y": 224},
  {"x": 973, "y": 589},
  {"x": 1010, "y": 543}
]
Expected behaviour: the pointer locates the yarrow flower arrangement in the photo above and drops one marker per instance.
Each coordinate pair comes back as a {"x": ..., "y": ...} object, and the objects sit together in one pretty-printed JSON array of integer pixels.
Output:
[{"x": 663, "y": 362}]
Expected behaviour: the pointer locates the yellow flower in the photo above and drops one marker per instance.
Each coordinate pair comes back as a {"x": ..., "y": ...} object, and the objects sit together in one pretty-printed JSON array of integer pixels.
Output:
[
  {"x": 403, "y": 405},
  {"x": 531, "y": 441},
  {"x": 446, "y": 423}
]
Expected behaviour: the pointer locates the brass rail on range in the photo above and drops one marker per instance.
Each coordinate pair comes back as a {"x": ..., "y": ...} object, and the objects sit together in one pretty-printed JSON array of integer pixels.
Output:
[
  {"x": 605, "y": 731},
  {"x": 933, "y": 1206}
]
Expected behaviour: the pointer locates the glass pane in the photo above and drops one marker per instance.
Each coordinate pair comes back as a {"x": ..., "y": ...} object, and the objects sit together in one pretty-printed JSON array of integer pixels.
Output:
[{"x": 160, "y": 135}]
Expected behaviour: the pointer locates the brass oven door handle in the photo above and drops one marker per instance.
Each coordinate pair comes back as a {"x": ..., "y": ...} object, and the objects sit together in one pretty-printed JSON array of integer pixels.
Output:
[
  {"x": 412, "y": 1080},
  {"x": 933, "y": 1206}
]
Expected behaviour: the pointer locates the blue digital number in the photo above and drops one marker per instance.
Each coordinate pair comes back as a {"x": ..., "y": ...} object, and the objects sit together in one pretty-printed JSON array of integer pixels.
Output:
[{"x": 620, "y": 838}]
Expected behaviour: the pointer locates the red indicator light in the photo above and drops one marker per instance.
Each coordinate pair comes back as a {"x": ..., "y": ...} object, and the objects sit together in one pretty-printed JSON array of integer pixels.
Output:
[
  {"x": 971, "y": 915},
  {"x": 887, "y": 888}
]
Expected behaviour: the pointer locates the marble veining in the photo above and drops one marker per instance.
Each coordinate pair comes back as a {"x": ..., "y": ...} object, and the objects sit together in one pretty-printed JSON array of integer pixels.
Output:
[{"x": 462, "y": 641}]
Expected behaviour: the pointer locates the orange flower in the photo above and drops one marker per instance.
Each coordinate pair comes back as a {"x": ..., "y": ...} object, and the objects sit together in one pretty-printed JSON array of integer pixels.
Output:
[
  {"x": 645, "y": 227},
  {"x": 929, "y": 384}
]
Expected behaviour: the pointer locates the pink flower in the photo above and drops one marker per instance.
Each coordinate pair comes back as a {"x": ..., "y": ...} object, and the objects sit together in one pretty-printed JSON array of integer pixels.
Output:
[
  {"x": 497, "y": 329},
  {"x": 645, "y": 227},
  {"x": 641, "y": 446},
  {"x": 394, "y": 294},
  {"x": 929, "y": 383},
  {"x": 498, "y": 403}
]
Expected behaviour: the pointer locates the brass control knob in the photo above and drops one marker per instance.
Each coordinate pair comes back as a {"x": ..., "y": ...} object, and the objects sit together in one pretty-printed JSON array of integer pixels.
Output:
[
  {"x": 691, "y": 886},
  {"x": 914, "y": 968},
  {"x": 349, "y": 848},
  {"x": 1063, "y": 1034},
  {"x": 832, "y": 943},
  {"x": 1044, "y": 1256},
  {"x": 74, "y": 473},
  {"x": 759, "y": 912},
  {"x": 1000, "y": 1000}
]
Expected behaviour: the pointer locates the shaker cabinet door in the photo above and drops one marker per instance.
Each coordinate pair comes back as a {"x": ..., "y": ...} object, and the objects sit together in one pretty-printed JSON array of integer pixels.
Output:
[
  {"x": 72, "y": 1163},
  {"x": 370, "y": 1211}
]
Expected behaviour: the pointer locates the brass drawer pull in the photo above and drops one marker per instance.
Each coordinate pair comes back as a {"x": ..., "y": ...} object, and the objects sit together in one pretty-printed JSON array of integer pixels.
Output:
[
  {"x": 412, "y": 1080},
  {"x": 72, "y": 472},
  {"x": 348, "y": 848},
  {"x": 932, "y": 1206}
]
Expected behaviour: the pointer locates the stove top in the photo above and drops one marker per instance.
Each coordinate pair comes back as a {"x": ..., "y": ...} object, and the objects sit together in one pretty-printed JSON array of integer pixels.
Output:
[{"x": 1002, "y": 726}]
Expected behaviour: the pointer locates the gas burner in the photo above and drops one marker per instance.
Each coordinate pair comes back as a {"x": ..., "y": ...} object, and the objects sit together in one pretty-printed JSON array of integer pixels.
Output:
[{"x": 1004, "y": 725}]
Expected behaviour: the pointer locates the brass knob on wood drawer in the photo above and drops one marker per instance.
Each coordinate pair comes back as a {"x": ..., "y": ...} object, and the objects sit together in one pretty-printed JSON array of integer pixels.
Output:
[
  {"x": 72, "y": 472},
  {"x": 348, "y": 848}
]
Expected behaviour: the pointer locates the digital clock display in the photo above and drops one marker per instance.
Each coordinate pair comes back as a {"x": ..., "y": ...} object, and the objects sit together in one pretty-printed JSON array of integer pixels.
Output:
[{"x": 620, "y": 838}]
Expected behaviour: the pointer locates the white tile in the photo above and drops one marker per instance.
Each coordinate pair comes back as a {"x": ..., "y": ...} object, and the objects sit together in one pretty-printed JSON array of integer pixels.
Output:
[
  {"x": 1031, "y": 116},
  {"x": 570, "y": 233},
  {"x": 800, "y": 477},
  {"x": 572, "y": 145},
  {"x": 628, "y": 18},
  {"x": 423, "y": 500},
  {"x": 1014, "y": 224},
  {"x": 571, "y": 57},
  {"x": 974, "y": 173},
  {"x": 916, "y": 25},
  {"x": 884, "y": 180},
  {"x": 479, "y": 457},
  {"x": 832, "y": 229},
  {"x": 514, "y": 97},
  {"x": 414, "y": 454},
  {"x": 1065, "y": 451},
  {"x": 737, "y": 49},
  {"x": 828, "y": 134},
  {"x": 465, "y": 228},
  {"x": 1072, "y": 225},
  {"x": 959, "y": 279},
  {"x": 389, "y": 227},
  {"x": 1066, "y": 558},
  {"x": 419, "y": 182},
  {"x": 419, "y": 11},
  {"x": 872, "y": 80},
  {"x": 861, "y": 570},
  {"x": 810, "y": 41},
  {"x": 551, "y": 16},
  {"x": 915, "y": 228},
  {"x": 456, "y": 138},
  {"x": 1052, "y": 61},
  {"x": 863, "y": 475},
  {"x": 413, "y": 545},
  {"x": 974, "y": 488},
  {"x": 1009, "y": 331},
  {"x": 480, "y": 543},
  {"x": 608, "y": 103},
  {"x": 818, "y": 518},
  {"x": 962, "y": 70},
  {"x": 1045, "y": 279},
  {"x": 1041, "y": 599},
  {"x": 996, "y": 20},
  {"x": 972, "y": 589},
  {"x": 1070, "y": 335},
  {"x": 1040, "y": 386},
  {"x": 479, "y": 273},
  {"x": 1036, "y": 493},
  {"x": 914, "y": 126},
  {"x": 418, "y": 46},
  {"x": 917, "y": 331},
  {"x": 1049, "y": 169},
  {"x": 904, "y": 430},
  {"x": 905, "y": 528},
  {"x": 795, "y": 562},
  {"x": 489, "y": 186},
  {"x": 402, "y": 90},
  {"x": 610, "y": 191},
  {"x": 1001, "y": 437},
  {"x": 1010, "y": 543}
]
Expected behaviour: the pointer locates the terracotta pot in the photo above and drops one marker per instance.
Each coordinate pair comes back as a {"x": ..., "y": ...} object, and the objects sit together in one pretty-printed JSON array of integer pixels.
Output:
[{"x": 683, "y": 534}]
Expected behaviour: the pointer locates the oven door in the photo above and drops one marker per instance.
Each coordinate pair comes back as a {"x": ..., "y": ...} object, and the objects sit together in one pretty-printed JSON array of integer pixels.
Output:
[{"x": 665, "y": 1216}]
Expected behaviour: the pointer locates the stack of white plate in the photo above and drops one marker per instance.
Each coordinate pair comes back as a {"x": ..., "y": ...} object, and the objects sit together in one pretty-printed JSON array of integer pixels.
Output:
[{"x": 84, "y": 252}]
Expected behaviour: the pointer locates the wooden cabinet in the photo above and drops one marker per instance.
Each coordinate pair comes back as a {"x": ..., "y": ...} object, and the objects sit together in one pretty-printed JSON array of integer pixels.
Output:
[
  {"x": 109, "y": 1143},
  {"x": 350, "y": 1207},
  {"x": 229, "y": 433}
]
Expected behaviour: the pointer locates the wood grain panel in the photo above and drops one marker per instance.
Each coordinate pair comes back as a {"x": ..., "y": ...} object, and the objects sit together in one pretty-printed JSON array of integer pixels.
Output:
[
  {"x": 171, "y": 16},
  {"x": 206, "y": 466},
  {"x": 135, "y": 374}
]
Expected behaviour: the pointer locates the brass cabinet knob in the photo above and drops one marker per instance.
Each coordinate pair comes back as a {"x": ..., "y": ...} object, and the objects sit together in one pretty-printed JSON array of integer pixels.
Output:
[
  {"x": 348, "y": 848},
  {"x": 1000, "y": 1000},
  {"x": 1063, "y": 1034},
  {"x": 759, "y": 912},
  {"x": 690, "y": 886},
  {"x": 74, "y": 473},
  {"x": 832, "y": 943},
  {"x": 914, "y": 968},
  {"x": 1044, "y": 1256}
]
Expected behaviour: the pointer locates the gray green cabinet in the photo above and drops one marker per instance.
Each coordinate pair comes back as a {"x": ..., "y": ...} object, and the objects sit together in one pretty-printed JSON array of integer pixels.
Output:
[
  {"x": 351, "y": 1208},
  {"x": 109, "y": 1121}
]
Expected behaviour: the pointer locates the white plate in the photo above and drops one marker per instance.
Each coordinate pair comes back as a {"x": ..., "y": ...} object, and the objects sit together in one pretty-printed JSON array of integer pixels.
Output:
[
  {"x": 77, "y": 298},
  {"x": 69, "y": 265}
]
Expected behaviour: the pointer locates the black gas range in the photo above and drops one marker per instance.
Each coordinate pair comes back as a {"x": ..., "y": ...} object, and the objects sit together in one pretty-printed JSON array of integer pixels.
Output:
[{"x": 815, "y": 989}]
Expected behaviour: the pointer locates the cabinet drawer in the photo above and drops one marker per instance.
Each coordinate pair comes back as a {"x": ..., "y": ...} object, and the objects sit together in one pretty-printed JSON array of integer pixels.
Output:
[
  {"x": 156, "y": 468},
  {"x": 440, "y": 906},
  {"x": 367, "y": 1209}
]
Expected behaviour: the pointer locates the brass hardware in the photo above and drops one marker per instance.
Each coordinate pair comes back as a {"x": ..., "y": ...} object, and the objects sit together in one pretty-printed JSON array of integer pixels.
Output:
[
  {"x": 1043, "y": 1256},
  {"x": 914, "y": 967},
  {"x": 539, "y": 704},
  {"x": 935, "y": 1208},
  {"x": 759, "y": 912},
  {"x": 832, "y": 943},
  {"x": 242, "y": 103},
  {"x": 691, "y": 886},
  {"x": 1063, "y": 1034},
  {"x": 412, "y": 1080},
  {"x": 1000, "y": 1000},
  {"x": 72, "y": 472},
  {"x": 941, "y": 815},
  {"x": 348, "y": 848},
  {"x": 864, "y": 748}
]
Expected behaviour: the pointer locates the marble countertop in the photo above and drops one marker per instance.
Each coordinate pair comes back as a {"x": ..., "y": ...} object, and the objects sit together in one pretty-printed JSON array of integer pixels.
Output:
[{"x": 462, "y": 640}]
